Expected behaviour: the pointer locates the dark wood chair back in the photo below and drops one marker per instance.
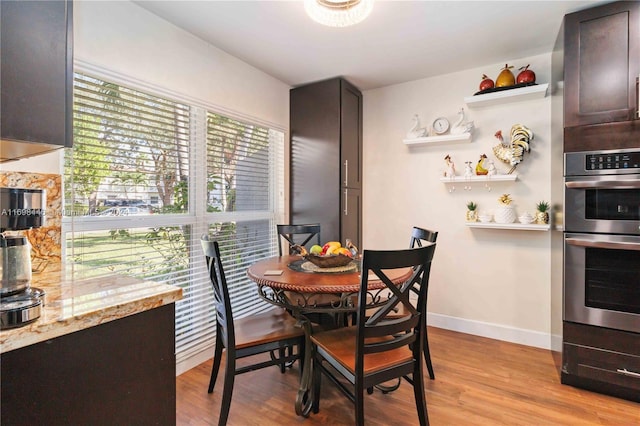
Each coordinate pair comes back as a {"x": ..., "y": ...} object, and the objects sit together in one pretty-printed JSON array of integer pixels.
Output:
[
  {"x": 274, "y": 332},
  {"x": 383, "y": 345},
  {"x": 298, "y": 234},
  {"x": 420, "y": 235}
]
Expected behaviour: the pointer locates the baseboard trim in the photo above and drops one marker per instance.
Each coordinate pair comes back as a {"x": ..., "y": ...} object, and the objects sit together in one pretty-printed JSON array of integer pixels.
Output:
[
  {"x": 478, "y": 328},
  {"x": 496, "y": 331}
]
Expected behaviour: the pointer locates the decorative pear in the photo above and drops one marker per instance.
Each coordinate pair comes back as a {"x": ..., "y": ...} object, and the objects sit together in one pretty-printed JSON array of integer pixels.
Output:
[{"x": 506, "y": 77}]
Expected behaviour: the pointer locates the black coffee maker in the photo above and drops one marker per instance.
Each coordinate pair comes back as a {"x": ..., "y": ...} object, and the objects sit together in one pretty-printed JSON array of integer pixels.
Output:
[{"x": 20, "y": 209}]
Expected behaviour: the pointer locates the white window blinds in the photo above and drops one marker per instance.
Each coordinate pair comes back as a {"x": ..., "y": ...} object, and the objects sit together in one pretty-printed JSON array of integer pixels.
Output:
[{"x": 148, "y": 176}]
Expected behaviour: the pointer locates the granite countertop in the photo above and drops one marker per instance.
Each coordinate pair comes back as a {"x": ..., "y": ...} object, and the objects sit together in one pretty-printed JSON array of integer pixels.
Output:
[{"x": 73, "y": 304}]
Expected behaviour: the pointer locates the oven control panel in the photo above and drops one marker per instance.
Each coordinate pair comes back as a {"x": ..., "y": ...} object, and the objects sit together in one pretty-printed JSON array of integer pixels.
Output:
[{"x": 613, "y": 161}]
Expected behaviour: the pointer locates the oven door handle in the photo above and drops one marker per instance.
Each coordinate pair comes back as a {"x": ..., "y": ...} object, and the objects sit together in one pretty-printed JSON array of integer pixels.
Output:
[
  {"x": 614, "y": 245},
  {"x": 605, "y": 184}
]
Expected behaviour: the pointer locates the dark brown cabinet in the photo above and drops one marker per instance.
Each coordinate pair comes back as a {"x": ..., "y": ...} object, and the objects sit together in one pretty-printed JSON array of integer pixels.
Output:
[
  {"x": 601, "y": 69},
  {"x": 121, "y": 372},
  {"x": 36, "y": 77},
  {"x": 602, "y": 360},
  {"x": 326, "y": 158}
]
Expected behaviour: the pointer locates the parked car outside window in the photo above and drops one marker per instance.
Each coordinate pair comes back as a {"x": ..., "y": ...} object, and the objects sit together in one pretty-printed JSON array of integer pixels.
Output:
[{"x": 124, "y": 211}]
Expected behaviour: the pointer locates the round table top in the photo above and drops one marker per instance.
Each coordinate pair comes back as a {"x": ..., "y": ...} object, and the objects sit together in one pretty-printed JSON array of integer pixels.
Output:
[{"x": 315, "y": 281}]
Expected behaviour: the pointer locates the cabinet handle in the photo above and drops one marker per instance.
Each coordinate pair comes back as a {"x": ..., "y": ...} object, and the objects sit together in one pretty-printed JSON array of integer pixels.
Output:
[
  {"x": 346, "y": 172},
  {"x": 628, "y": 373},
  {"x": 638, "y": 98},
  {"x": 346, "y": 208}
]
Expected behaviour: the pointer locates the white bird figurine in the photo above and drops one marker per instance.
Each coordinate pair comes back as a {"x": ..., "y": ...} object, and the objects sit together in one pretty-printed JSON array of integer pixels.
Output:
[
  {"x": 416, "y": 131},
  {"x": 459, "y": 126}
]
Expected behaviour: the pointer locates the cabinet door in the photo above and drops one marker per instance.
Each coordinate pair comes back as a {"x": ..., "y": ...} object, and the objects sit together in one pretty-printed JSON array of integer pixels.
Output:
[
  {"x": 351, "y": 216},
  {"x": 315, "y": 156},
  {"x": 37, "y": 71},
  {"x": 351, "y": 136},
  {"x": 602, "y": 64}
]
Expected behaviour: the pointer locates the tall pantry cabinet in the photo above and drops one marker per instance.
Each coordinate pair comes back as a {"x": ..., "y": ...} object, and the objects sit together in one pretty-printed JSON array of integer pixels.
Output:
[{"x": 326, "y": 158}]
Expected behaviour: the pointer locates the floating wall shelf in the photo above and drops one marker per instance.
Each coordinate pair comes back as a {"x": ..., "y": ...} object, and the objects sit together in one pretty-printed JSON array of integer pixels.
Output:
[
  {"x": 485, "y": 179},
  {"x": 436, "y": 140},
  {"x": 516, "y": 226},
  {"x": 505, "y": 96}
]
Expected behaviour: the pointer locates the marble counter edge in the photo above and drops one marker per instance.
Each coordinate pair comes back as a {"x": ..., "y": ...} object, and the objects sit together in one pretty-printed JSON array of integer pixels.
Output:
[{"x": 37, "y": 332}]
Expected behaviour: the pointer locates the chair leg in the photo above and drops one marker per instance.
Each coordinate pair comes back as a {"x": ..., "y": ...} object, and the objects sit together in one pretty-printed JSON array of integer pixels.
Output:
[
  {"x": 427, "y": 357},
  {"x": 359, "y": 402},
  {"x": 282, "y": 354},
  {"x": 419, "y": 394},
  {"x": 217, "y": 358},
  {"x": 227, "y": 391}
]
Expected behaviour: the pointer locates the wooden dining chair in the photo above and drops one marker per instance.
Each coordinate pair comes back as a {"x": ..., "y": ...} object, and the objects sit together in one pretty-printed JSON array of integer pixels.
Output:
[
  {"x": 298, "y": 234},
  {"x": 269, "y": 332},
  {"x": 381, "y": 346},
  {"x": 419, "y": 237}
]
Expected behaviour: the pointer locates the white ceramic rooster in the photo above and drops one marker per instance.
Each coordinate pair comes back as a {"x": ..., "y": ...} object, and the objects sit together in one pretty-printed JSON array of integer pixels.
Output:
[{"x": 512, "y": 152}]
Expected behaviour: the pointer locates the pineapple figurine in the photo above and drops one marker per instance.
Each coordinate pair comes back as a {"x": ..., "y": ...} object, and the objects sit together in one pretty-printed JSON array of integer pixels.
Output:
[
  {"x": 505, "y": 213},
  {"x": 542, "y": 213},
  {"x": 472, "y": 212}
]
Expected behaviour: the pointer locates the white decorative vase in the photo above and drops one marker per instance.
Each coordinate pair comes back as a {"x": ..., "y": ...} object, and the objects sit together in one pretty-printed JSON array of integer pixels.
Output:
[{"x": 504, "y": 214}]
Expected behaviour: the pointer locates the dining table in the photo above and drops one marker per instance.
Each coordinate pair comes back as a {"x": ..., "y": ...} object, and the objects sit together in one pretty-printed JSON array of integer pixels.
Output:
[{"x": 303, "y": 288}]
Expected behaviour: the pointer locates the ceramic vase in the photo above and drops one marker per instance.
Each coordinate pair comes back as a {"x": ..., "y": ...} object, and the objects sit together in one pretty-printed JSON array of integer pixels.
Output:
[
  {"x": 472, "y": 215},
  {"x": 504, "y": 214},
  {"x": 542, "y": 218}
]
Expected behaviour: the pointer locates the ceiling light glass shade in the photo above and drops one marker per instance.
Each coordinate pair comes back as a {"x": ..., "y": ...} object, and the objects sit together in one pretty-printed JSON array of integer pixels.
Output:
[{"x": 338, "y": 13}]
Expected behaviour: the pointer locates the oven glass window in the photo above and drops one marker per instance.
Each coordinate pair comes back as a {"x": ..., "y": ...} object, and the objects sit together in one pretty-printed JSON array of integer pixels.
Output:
[
  {"x": 612, "y": 279},
  {"x": 612, "y": 204}
]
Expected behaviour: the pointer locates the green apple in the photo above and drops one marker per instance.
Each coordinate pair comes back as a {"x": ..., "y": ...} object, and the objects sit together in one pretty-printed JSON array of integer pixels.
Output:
[{"x": 315, "y": 249}]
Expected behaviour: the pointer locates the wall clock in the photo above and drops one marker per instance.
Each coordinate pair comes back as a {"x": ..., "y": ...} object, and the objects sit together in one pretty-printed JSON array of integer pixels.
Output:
[{"x": 440, "y": 125}]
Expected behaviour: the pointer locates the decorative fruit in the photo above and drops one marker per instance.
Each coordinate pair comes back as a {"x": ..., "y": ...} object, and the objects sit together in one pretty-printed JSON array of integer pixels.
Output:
[
  {"x": 526, "y": 76},
  {"x": 315, "y": 249},
  {"x": 506, "y": 77},
  {"x": 330, "y": 247},
  {"x": 343, "y": 250},
  {"x": 486, "y": 83}
]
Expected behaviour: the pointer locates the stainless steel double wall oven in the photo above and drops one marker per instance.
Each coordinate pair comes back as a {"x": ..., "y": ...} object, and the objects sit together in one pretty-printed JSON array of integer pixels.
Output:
[{"x": 602, "y": 267}]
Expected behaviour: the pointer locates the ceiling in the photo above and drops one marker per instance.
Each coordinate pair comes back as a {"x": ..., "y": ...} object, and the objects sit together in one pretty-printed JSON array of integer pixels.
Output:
[{"x": 400, "y": 41}]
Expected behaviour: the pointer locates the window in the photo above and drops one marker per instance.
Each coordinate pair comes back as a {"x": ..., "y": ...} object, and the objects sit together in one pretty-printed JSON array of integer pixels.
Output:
[{"x": 149, "y": 175}]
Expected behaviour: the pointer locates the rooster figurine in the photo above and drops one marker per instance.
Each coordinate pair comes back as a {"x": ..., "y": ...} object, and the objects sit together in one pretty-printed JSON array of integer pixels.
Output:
[{"x": 512, "y": 152}]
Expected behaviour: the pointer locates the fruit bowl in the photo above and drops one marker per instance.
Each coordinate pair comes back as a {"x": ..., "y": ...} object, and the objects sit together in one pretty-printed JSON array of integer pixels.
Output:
[
  {"x": 323, "y": 261},
  {"x": 328, "y": 261}
]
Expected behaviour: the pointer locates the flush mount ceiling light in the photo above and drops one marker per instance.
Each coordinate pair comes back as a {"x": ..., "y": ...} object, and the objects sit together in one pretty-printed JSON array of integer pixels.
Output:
[{"x": 338, "y": 13}]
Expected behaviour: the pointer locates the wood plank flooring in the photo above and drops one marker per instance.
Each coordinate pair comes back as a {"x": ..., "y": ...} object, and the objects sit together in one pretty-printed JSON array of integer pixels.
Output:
[{"x": 478, "y": 381}]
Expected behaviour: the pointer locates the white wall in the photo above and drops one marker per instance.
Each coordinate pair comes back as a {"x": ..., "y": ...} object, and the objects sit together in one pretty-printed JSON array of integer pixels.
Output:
[{"x": 484, "y": 281}]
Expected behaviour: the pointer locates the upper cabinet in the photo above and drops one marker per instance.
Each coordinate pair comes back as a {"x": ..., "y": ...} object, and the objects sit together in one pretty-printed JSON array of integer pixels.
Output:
[
  {"x": 601, "y": 69},
  {"x": 36, "y": 77}
]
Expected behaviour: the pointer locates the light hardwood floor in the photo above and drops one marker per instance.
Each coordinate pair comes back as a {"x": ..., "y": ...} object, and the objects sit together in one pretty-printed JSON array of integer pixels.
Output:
[{"x": 478, "y": 381}]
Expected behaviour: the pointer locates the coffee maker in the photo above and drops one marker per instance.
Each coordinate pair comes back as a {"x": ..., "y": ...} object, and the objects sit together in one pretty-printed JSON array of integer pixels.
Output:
[{"x": 21, "y": 209}]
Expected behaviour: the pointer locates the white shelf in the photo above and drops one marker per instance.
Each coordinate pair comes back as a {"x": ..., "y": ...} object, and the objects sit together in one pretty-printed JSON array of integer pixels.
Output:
[
  {"x": 442, "y": 139},
  {"x": 476, "y": 178},
  {"x": 517, "y": 226},
  {"x": 512, "y": 95}
]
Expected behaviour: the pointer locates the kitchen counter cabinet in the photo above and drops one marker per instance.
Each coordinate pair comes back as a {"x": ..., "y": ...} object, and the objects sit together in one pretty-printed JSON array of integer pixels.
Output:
[{"x": 102, "y": 352}]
